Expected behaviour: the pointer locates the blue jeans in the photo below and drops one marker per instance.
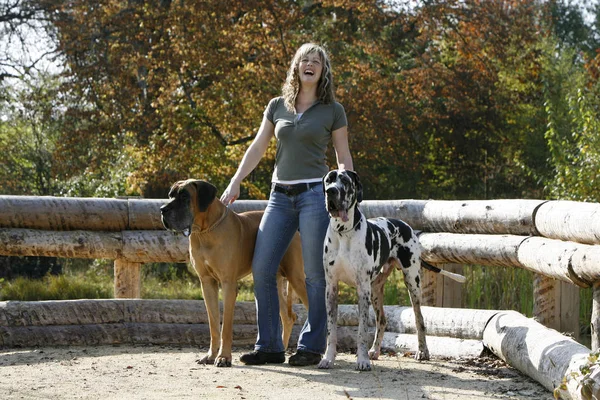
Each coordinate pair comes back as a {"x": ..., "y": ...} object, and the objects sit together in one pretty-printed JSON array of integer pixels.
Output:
[{"x": 284, "y": 216}]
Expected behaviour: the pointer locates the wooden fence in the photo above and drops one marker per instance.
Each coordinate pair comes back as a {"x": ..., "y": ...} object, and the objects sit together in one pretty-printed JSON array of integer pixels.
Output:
[{"x": 555, "y": 239}]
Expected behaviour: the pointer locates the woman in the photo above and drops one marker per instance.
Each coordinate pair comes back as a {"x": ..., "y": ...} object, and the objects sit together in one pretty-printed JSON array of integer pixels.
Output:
[{"x": 304, "y": 119}]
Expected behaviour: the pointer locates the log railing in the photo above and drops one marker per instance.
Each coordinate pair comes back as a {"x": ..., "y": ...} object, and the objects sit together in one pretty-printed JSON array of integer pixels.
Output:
[{"x": 555, "y": 239}]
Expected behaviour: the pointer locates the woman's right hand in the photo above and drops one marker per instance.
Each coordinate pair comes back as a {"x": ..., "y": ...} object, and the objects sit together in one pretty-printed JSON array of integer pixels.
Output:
[{"x": 231, "y": 193}]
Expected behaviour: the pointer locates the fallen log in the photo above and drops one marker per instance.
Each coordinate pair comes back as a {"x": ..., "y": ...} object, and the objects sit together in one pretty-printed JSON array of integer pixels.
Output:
[
  {"x": 439, "y": 346},
  {"x": 539, "y": 352},
  {"x": 459, "y": 323}
]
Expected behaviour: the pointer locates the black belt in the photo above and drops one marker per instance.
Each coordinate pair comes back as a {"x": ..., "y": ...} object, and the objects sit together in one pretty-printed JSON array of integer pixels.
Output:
[{"x": 295, "y": 189}]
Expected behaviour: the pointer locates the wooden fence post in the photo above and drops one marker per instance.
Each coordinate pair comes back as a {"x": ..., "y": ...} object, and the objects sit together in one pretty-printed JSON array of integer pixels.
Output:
[
  {"x": 556, "y": 304},
  {"x": 128, "y": 282},
  {"x": 595, "y": 322},
  {"x": 430, "y": 289},
  {"x": 440, "y": 291},
  {"x": 452, "y": 290}
]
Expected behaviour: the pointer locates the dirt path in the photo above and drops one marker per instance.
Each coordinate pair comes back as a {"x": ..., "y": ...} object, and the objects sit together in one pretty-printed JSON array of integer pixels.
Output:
[{"x": 152, "y": 372}]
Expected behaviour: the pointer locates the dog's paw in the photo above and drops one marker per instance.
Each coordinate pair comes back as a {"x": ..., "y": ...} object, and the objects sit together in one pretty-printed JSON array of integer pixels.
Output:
[
  {"x": 422, "y": 355},
  {"x": 363, "y": 365},
  {"x": 205, "y": 360},
  {"x": 325, "y": 364},
  {"x": 223, "y": 362},
  {"x": 373, "y": 354}
]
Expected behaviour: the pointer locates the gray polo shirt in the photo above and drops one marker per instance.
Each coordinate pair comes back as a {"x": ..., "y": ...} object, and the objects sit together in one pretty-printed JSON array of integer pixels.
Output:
[{"x": 302, "y": 142}]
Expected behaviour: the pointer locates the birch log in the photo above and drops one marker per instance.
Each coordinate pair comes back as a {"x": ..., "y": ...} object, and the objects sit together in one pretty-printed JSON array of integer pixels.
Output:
[
  {"x": 569, "y": 220},
  {"x": 439, "y": 346},
  {"x": 539, "y": 352},
  {"x": 155, "y": 246},
  {"x": 134, "y": 246},
  {"x": 568, "y": 261},
  {"x": 489, "y": 250},
  {"x": 68, "y": 244},
  {"x": 119, "y": 333},
  {"x": 513, "y": 217},
  {"x": 63, "y": 213},
  {"x": 459, "y": 323},
  {"x": 112, "y": 311}
]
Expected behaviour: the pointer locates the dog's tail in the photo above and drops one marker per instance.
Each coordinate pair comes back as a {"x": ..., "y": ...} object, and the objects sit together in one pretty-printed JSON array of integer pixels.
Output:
[{"x": 451, "y": 275}]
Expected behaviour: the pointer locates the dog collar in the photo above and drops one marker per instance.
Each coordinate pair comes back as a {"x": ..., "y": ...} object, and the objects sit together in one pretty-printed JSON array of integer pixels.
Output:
[{"x": 196, "y": 228}]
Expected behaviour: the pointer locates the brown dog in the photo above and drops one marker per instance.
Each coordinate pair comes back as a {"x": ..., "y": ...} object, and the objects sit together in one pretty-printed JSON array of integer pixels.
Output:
[{"x": 221, "y": 250}]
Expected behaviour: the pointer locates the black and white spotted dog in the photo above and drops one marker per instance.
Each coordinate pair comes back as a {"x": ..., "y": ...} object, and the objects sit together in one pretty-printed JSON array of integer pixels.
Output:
[{"x": 362, "y": 253}]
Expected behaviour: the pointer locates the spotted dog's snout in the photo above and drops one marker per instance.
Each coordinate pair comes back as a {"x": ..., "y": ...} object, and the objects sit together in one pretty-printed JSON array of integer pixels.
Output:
[
  {"x": 331, "y": 191},
  {"x": 341, "y": 193}
]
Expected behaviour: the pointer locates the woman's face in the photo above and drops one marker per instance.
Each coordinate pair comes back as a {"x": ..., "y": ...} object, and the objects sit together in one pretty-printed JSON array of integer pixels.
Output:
[{"x": 310, "y": 68}]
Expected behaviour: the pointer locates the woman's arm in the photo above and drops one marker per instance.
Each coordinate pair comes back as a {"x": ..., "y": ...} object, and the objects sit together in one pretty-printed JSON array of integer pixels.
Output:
[
  {"x": 250, "y": 160},
  {"x": 342, "y": 149}
]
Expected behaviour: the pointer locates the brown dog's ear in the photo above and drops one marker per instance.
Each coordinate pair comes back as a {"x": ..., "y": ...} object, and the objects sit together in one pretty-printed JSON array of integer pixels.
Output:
[
  {"x": 205, "y": 193},
  {"x": 357, "y": 184},
  {"x": 174, "y": 189}
]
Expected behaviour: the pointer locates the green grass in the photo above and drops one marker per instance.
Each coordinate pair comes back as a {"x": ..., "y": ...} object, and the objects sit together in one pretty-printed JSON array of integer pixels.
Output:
[{"x": 52, "y": 287}]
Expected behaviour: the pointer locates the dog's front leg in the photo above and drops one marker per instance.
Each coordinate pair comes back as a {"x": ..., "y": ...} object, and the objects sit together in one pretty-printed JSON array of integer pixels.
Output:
[
  {"x": 229, "y": 295},
  {"x": 210, "y": 292},
  {"x": 331, "y": 292},
  {"x": 364, "y": 295}
]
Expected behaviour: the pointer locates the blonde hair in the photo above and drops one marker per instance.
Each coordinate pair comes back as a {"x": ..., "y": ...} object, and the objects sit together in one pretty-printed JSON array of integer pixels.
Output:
[{"x": 291, "y": 87}]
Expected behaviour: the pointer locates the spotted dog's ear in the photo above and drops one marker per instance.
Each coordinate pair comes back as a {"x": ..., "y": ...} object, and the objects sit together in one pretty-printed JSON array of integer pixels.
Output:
[
  {"x": 330, "y": 176},
  {"x": 206, "y": 193},
  {"x": 357, "y": 185}
]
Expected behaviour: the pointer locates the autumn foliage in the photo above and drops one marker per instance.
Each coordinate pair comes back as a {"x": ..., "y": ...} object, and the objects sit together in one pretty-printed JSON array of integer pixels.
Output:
[{"x": 445, "y": 99}]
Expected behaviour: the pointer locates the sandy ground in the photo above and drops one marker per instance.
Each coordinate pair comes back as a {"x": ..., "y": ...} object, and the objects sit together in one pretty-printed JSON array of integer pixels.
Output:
[{"x": 160, "y": 372}]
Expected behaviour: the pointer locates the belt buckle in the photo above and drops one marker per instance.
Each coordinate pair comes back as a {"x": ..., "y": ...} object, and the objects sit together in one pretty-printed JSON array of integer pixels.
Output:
[{"x": 294, "y": 190}]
